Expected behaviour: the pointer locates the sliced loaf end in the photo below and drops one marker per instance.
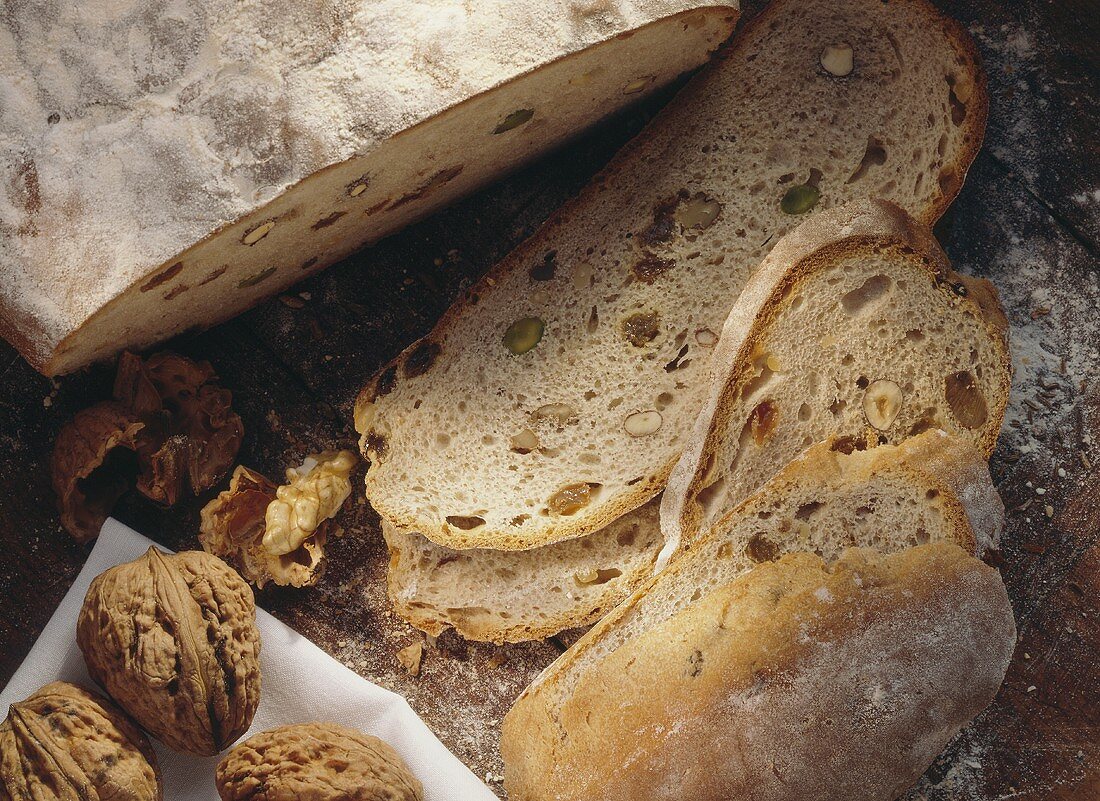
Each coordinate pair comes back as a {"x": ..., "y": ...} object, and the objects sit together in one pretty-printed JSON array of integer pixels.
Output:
[{"x": 854, "y": 327}]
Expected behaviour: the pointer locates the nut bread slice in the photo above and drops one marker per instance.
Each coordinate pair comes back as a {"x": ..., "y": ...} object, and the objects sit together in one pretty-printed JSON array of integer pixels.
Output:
[
  {"x": 559, "y": 392},
  {"x": 173, "y": 170},
  {"x": 510, "y": 596},
  {"x": 797, "y": 680},
  {"x": 856, "y": 327}
]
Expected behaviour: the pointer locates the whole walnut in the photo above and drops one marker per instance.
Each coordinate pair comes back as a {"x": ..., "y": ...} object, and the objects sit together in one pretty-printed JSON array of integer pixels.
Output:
[
  {"x": 69, "y": 744},
  {"x": 315, "y": 762},
  {"x": 173, "y": 639}
]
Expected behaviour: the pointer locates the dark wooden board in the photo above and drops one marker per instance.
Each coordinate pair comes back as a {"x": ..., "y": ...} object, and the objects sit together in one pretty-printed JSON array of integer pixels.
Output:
[{"x": 1028, "y": 218}]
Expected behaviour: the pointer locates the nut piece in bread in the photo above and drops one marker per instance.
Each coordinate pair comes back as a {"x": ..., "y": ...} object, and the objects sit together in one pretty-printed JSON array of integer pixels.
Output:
[
  {"x": 797, "y": 680},
  {"x": 64, "y": 742},
  {"x": 315, "y": 762},
  {"x": 629, "y": 282},
  {"x": 173, "y": 639}
]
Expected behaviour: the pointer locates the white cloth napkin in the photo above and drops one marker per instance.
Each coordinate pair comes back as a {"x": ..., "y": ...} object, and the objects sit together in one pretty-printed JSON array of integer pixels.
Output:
[{"x": 301, "y": 683}]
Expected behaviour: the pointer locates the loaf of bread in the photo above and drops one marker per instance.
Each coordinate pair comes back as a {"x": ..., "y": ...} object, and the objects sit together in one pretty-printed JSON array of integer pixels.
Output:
[
  {"x": 855, "y": 326},
  {"x": 166, "y": 168},
  {"x": 798, "y": 680},
  {"x": 557, "y": 394},
  {"x": 905, "y": 495}
]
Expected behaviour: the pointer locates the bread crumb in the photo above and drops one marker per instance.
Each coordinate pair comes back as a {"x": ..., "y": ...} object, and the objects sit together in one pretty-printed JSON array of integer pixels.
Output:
[{"x": 410, "y": 657}]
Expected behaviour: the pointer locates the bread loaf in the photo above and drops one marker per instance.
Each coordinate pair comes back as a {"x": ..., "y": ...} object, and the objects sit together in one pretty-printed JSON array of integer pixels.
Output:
[
  {"x": 855, "y": 326},
  {"x": 558, "y": 393},
  {"x": 167, "y": 166},
  {"x": 905, "y": 494},
  {"x": 798, "y": 680}
]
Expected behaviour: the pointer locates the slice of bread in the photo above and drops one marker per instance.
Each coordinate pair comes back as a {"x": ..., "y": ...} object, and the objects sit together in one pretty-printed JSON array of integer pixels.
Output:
[
  {"x": 559, "y": 392},
  {"x": 510, "y": 596},
  {"x": 856, "y": 327},
  {"x": 513, "y": 596},
  {"x": 797, "y": 680},
  {"x": 174, "y": 169}
]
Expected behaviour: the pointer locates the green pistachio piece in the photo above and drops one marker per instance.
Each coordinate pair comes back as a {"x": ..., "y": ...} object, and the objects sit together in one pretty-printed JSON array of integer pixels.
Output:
[
  {"x": 523, "y": 335},
  {"x": 800, "y": 199}
]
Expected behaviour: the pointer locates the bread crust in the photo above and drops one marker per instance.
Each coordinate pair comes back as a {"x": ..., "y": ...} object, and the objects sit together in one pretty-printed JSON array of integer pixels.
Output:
[
  {"x": 490, "y": 536},
  {"x": 855, "y": 228},
  {"x": 794, "y": 681}
]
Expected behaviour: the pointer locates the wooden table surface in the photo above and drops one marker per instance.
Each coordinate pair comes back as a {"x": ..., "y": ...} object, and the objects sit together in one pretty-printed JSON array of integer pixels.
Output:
[{"x": 1028, "y": 218}]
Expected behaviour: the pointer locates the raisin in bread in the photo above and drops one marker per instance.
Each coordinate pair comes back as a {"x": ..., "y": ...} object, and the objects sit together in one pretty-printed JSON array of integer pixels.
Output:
[
  {"x": 797, "y": 680},
  {"x": 558, "y": 393},
  {"x": 173, "y": 169},
  {"x": 856, "y": 327}
]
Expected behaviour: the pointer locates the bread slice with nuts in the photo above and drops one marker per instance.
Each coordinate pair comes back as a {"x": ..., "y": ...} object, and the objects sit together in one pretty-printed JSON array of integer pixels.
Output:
[
  {"x": 930, "y": 487},
  {"x": 172, "y": 171},
  {"x": 854, "y": 327},
  {"x": 798, "y": 679},
  {"x": 512, "y": 596},
  {"x": 559, "y": 392}
]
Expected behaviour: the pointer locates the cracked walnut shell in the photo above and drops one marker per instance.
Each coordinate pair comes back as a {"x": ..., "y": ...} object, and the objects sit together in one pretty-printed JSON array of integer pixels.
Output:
[
  {"x": 89, "y": 463},
  {"x": 64, "y": 743},
  {"x": 173, "y": 639},
  {"x": 279, "y": 533},
  {"x": 315, "y": 762}
]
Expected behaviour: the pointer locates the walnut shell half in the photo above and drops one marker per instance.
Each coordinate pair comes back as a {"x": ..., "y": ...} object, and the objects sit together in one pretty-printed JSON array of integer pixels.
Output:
[
  {"x": 90, "y": 466},
  {"x": 69, "y": 744},
  {"x": 315, "y": 762},
  {"x": 173, "y": 639}
]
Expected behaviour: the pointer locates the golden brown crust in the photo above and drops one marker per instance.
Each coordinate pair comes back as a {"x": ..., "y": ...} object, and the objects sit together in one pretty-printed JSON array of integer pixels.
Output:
[
  {"x": 795, "y": 681},
  {"x": 949, "y": 464}
]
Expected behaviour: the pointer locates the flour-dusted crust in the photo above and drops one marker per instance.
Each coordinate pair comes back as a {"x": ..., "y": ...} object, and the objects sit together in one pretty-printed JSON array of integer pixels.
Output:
[
  {"x": 168, "y": 165},
  {"x": 706, "y": 484},
  {"x": 628, "y": 284},
  {"x": 797, "y": 680}
]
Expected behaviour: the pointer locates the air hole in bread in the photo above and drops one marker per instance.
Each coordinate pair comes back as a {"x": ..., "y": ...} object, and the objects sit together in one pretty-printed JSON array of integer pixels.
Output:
[
  {"x": 710, "y": 495},
  {"x": 837, "y": 407},
  {"x": 866, "y": 296},
  {"x": 627, "y": 536},
  {"x": 958, "y": 108},
  {"x": 914, "y": 335},
  {"x": 948, "y": 181},
  {"x": 807, "y": 510},
  {"x": 593, "y": 321},
  {"x": 874, "y": 155},
  {"x": 663, "y": 401},
  {"x": 465, "y": 522},
  {"x": 443, "y": 440},
  {"x": 596, "y": 577},
  {"x": 804, "y": 412}
]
